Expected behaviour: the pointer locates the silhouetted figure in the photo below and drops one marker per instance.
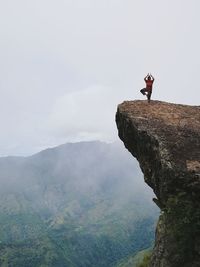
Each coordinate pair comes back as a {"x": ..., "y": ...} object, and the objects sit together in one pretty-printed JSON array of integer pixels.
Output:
[{"x": 149, "y": 79}]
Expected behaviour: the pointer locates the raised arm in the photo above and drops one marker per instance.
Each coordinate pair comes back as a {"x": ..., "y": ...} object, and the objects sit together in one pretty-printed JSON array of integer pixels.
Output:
[
  {"x": 145, "y": 78},
  {"x": 152, "y": 78}
]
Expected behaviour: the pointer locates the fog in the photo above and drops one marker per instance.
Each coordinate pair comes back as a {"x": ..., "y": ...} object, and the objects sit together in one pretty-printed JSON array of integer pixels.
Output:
[
  {"x": 86, "y": 198},
  {"x": 85, "y": 172},
  {"x": 65, "y": 65}
]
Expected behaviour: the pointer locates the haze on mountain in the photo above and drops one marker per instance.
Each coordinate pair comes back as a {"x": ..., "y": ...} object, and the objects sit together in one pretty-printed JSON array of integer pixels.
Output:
[{"x": 81, "y": 204}]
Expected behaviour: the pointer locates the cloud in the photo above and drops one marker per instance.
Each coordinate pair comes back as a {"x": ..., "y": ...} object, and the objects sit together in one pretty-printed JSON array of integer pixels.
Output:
[
  {"x": 51, "y": 50},
  {"x": 86, "y": 115}
]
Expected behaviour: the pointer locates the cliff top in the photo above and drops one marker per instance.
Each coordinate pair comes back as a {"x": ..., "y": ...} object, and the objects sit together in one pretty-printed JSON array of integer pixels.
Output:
[{"x": 176, "y": 127}]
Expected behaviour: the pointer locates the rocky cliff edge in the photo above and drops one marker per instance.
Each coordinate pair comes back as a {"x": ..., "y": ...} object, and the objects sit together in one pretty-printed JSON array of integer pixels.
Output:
[{"x": 165, "y": 139}]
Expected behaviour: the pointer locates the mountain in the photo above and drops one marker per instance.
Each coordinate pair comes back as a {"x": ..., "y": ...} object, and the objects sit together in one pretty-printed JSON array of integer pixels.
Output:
[
  {"x": 77, "y": 205},
  {"x": 165, "y": 138}
]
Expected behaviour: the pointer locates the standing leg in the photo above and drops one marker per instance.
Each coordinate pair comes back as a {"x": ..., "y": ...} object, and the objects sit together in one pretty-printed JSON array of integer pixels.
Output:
[{"x": 149, "y": 96}]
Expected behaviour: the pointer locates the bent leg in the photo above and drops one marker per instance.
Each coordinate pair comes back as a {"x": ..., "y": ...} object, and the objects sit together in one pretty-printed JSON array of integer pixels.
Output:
[{"x": 143, "y": 91}]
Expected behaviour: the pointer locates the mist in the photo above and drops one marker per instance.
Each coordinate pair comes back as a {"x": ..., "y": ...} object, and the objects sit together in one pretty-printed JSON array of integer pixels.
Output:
[
  {"x": 51, "y": 178},
  {"x": 60, "y": 59},
  {"x": 86, "y": 198}
]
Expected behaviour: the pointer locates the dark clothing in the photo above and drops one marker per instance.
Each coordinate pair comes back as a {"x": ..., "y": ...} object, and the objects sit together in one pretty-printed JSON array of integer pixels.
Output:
[{"x": 147, "y": 92}]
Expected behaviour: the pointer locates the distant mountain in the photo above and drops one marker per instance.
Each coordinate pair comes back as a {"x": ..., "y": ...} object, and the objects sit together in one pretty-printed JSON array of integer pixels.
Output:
[{"x": 77, "y": 205}]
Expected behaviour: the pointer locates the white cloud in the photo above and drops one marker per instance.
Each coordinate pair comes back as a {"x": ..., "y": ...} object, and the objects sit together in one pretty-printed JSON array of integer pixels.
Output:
[{"x": 86, "y": 115}]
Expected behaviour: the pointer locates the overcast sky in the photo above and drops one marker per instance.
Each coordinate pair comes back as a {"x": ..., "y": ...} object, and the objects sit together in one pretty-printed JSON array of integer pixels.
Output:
[{"x": 66, "y": 64}]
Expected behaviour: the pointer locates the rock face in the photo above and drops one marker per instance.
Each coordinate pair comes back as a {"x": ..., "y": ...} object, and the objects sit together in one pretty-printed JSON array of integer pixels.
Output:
[{"x": 165, "y": 139}]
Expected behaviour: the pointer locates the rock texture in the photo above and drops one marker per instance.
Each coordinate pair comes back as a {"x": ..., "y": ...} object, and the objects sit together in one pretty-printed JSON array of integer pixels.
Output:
[{"x": 165, "y": 139}]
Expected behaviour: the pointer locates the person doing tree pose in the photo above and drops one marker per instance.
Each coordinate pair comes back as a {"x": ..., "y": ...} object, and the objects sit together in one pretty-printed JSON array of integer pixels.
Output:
[{"x": 149, "y": 79}]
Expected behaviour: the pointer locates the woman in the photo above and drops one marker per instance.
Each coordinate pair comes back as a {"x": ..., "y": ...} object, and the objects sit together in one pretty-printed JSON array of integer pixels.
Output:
[{"x": 149, "y": 79}]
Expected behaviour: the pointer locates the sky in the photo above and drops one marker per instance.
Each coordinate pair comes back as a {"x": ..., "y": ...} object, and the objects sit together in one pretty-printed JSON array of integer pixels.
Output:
[{"x": 66, "y": 64}]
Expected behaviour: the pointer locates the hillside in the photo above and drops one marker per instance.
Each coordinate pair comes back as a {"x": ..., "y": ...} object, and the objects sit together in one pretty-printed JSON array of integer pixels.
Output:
[{"x": 81, "y": 204}]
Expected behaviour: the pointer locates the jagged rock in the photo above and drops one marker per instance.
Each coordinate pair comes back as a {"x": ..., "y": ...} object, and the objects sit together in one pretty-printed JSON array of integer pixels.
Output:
[{"x": 165, "y": 139}]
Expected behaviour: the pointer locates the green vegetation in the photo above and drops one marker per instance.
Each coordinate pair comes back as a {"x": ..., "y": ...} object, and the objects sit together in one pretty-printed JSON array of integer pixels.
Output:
[
  {"x": 140, "y": 259},
  {"x": 25, "y": 238},
  {"x": 183, "y": 216},
  {"x": 146, "y": 260},
  {"x": 66, "y": 208}
]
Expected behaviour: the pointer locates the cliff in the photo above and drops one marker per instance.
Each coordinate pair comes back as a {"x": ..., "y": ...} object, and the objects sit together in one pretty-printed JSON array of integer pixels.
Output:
[{"x": 165, "y": 139}]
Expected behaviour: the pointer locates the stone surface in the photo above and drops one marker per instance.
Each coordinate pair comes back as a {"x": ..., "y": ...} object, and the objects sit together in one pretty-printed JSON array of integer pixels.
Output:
[{"x": 165, "y": 139}]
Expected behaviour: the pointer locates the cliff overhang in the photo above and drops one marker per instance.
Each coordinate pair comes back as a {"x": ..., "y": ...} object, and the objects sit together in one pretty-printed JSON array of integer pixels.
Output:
[{"x": 165, "y": 139}]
